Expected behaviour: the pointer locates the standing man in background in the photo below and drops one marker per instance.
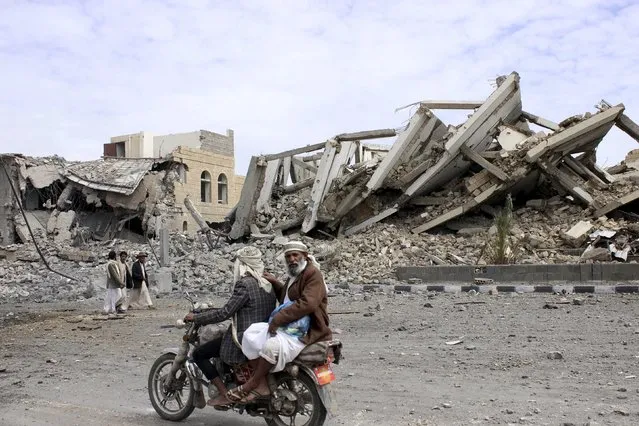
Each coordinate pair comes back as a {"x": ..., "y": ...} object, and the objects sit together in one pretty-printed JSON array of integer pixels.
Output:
[
  {"x": 125, "y": 275},
  {"x": 140, "y": 288},
  {"x": 114, "y": 284}
]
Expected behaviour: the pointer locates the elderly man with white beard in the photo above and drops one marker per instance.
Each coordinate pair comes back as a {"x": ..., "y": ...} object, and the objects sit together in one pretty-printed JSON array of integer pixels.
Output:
[{"x": 269, "y": 345}]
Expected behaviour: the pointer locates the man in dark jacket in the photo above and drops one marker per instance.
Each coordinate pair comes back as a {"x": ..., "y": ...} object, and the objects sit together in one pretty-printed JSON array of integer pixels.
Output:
[
  {"x": 140, "y": 288},
  {"x": 252, "y": 301},
  {"x": 308, "y": 293}
]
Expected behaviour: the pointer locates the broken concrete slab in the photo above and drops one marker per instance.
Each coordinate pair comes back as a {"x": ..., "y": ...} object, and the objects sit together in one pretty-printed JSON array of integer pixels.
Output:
[
  {"x": 451, "y": 104},
  {"x": 43, "y": 175},
  {"x": 626, "y": 124},
  {"x": 365, "y": 135},
  {"x": 628, "y": 198},
  {"x": 335, "y": 163},
  {"x": 540, "y": 121},
  {"x": 510, "y": 137},
  {"x": 586, "y": 131},
  {"x": 270, "y": 180},
  {"x": 576, "y": 235},
  {"x": 562, "y": 179},
  {"x": 60, "y": 225},
  {"x": 248, "y": 197}
]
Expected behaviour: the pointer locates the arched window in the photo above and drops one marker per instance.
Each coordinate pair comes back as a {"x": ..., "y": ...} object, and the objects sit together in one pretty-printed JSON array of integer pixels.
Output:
[
  {"x": 222, "y": 189},
  {"x": 185, "y": 226},
  {"x": 205, "y": 187}
]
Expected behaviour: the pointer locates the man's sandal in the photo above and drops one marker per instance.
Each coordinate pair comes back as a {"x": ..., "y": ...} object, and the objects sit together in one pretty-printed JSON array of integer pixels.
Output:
[
  {"x": 252, "y": 396},
  {"x": 236, "y": 394}
]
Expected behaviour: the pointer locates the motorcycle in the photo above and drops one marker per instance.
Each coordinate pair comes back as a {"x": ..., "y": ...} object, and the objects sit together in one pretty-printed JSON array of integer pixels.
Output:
[{"x": 301, "y": 393}]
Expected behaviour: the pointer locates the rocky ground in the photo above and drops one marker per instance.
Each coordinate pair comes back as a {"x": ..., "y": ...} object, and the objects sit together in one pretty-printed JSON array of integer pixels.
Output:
[{"x": 518, "y": 362}]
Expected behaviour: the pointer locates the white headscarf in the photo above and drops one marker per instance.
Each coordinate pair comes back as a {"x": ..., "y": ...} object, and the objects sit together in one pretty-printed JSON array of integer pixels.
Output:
[
  {"x": 301, "y": 247},
  {"x": 249, "y": 261}
]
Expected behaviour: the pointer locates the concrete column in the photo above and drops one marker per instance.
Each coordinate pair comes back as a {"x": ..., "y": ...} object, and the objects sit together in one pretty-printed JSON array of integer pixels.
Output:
[{"x": 164, "y": 247}]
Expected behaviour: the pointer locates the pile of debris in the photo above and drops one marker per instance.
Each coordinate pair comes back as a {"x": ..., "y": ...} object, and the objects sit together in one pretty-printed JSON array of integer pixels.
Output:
[
  {"x": 364, "y": 258},
  {"x": 434, "y": 174},
  {"x": 79, "y": 201}
]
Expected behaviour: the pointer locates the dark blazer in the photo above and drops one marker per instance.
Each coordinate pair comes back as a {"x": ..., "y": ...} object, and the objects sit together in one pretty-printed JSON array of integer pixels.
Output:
[
  {"x": 251, "y": 304},
  {"x": 309, "y": 297},
  {"x": 137, "y": 276}
]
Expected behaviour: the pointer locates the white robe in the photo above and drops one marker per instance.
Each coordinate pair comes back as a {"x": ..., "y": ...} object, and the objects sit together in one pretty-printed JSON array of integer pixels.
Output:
[
  {"x": 285, "y": 347},
  {"x": 139, "y": 297},
  {"x": 112, "y": 296}
]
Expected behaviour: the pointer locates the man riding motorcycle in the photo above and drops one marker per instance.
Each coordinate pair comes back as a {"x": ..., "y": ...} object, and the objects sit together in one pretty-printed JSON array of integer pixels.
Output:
[
  {"x": 304, "y": 294},
  {"x": 252, "y": 301}
]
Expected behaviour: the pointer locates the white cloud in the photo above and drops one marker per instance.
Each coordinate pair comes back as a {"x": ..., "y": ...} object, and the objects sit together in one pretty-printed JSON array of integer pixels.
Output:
[{"x": 287, "y": 73}]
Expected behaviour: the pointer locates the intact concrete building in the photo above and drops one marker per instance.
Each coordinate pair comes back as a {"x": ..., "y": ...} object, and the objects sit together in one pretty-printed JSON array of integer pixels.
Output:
[{"x": 208, "y": 174}]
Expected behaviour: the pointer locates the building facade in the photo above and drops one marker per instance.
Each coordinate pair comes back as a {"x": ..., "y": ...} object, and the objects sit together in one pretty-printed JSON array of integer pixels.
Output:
[{"x": 208, "y": 174}]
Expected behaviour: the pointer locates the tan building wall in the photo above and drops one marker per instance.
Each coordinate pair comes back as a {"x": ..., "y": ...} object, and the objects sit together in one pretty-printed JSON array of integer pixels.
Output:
[
  {"x": 136, "y": 145},
  {"x": 200, "y": 151},
  {"x": 198, "y": 161},
  {"x": 165, "y": 144}
]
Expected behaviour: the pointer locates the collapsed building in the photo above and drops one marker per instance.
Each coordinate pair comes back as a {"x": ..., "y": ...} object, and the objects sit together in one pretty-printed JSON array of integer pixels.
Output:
[
  {"x": 435, "y": 174},
  {"x": 124, "y": 194},
  {"x": 100, "y": 199}
]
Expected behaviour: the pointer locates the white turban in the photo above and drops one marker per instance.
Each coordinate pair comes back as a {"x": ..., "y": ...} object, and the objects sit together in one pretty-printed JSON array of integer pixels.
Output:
[
  {"x": 301, "y": 247},
  {"x": 249, "y": 261}
]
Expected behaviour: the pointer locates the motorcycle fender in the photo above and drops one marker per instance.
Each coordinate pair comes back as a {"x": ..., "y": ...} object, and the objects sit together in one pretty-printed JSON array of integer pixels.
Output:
[
  {"x": 309, "y": 372},
  {"x": 173, "y": 351},
  {"x": 325, "y": 392}
]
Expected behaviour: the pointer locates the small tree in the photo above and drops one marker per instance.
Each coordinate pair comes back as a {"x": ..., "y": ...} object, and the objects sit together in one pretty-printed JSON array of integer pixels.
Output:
[{"x": 502, "y": 249}]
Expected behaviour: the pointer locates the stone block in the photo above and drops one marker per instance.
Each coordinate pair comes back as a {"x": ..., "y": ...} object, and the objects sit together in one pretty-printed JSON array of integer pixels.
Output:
[
  {"x": 584, "y": 289},
  {"x": 471, "y": 231},
  {"x": 596, "y": 254},
  {"x": 578, "y": 233},
  {"x": 76, "y": 255},
  {"x": 9, "y": 254},
  {"x": 627, "y": 289},
  {"x": 163, "y": 280},
  {"x": 536, "y": 204}
]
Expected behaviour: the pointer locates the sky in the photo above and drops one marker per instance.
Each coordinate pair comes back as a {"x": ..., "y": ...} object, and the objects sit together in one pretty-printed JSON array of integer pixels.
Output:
[{"x": 287, "y": 73}]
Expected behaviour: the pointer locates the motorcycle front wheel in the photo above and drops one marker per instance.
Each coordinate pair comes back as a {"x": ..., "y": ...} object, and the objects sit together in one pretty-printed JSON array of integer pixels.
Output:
[
  {"x": 309, "y": 411},
  {"x": 175, "y": 402}
]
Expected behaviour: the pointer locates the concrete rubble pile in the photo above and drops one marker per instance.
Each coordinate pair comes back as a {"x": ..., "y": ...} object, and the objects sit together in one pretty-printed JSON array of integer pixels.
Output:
[
  {"x": 79, "y": 201},
  {"x": 435, "y": 173}
]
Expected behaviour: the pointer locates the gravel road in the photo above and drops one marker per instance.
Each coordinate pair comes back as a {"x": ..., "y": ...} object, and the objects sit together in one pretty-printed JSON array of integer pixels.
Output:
[{"x": 523, "y": 359}]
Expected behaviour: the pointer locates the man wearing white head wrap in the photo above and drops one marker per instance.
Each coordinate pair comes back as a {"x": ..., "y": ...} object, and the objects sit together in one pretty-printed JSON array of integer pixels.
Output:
[
  {"x": 252, "y": 301},
  {"x": 266, "y": 343}
]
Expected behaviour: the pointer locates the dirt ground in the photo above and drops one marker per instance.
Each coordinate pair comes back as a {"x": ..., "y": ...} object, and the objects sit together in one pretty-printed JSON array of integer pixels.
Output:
[{"x": 398, "y": 369}]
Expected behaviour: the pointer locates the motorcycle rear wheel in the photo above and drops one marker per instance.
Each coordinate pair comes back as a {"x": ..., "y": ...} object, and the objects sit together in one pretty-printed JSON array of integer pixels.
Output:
[
  {"x": 160, "y": 396},
  {"x": 306, "y": 389}
]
